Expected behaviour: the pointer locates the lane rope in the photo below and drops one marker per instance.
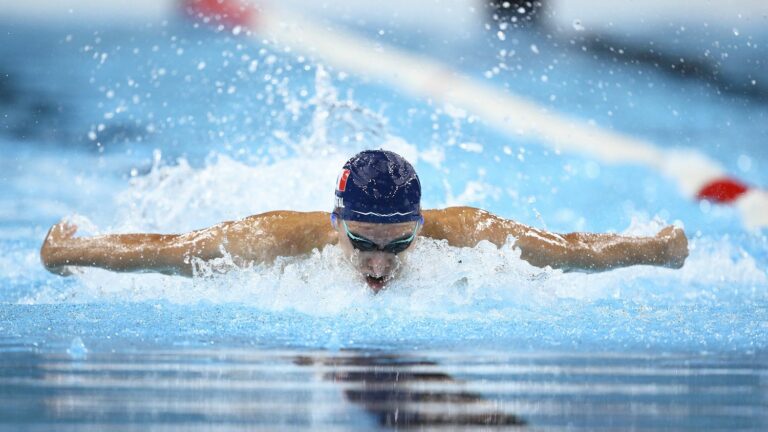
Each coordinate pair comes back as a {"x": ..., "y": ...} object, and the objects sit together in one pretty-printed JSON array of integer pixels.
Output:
[{"x": 698, "y": 176}]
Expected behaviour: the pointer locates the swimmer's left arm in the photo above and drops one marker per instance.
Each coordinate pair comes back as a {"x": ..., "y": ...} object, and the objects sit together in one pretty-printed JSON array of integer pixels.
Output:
[{"x": 466, "y": 226}]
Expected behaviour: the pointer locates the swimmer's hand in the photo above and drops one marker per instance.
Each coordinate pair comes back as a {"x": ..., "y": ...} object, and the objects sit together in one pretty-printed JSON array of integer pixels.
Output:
[
  {"x": 54, "y": 251},
  {"x": 675, "y": 246}
]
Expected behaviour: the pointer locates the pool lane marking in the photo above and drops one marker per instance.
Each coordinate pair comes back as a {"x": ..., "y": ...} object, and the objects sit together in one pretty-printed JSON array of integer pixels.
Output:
[{"x": 696, "y": 175}]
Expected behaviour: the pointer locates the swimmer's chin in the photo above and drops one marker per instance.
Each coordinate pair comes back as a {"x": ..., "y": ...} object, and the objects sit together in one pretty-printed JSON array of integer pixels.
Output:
[{"x": 377, "y": 283}]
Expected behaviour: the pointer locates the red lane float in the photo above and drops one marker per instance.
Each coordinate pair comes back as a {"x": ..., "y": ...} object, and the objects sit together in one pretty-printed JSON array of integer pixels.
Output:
[
  {"x": 227, "y": 12},
  {"x": 722, "y": 190}
]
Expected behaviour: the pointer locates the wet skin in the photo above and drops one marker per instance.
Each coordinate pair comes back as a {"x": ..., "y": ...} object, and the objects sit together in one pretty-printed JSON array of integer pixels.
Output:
[
  {"x": 264, "y": 237},
  {"x": 377, "y": 267}
]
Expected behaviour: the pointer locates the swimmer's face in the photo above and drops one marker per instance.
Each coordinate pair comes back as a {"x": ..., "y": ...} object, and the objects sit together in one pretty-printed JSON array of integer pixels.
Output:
[{"x": 377, "y": 267}]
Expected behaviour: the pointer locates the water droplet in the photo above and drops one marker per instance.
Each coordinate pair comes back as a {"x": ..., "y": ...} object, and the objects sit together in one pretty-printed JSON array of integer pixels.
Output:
[
  {"x": 577, "y": 25},
  {"x": 471, "y": 147},
  {"x": 744, "y": 163},
  {"x": 77, "y": 349}
]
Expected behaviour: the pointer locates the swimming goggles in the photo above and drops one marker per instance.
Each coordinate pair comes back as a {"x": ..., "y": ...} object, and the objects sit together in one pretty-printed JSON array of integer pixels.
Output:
[{"x": 394, "y": 247}]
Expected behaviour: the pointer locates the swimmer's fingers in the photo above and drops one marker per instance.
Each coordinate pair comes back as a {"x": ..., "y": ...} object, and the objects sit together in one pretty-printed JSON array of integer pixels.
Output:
[
  {"x": 676, "y": 245},
  {"x": 63, "y": 230}
]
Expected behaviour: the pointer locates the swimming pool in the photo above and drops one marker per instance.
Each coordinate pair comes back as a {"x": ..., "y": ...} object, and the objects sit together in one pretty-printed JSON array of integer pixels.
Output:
[{"x": 164, "y": 127}]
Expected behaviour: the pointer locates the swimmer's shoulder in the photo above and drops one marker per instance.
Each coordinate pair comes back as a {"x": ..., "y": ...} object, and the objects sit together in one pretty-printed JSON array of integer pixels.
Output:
[
  {"x": 265, "y": 236},
  {"x": 446, "y": 223},
  {"x": 311, "y": 229},
  {"x": 287, "y": 218},
  {"x": 449, "y": 218},
  {"x": 466, "y": 226}
]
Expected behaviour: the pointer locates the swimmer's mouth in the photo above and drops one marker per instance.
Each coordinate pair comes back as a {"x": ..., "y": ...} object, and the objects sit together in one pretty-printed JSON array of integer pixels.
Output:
[{"x": 376, "y": 282}]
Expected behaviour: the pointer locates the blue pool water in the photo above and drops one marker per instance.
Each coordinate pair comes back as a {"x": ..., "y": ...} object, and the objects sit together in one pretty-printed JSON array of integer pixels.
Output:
[{"x": 162, "y": 127}]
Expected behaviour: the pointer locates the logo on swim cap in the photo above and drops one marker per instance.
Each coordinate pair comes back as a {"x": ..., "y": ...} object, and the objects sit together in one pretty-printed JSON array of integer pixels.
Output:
[
  {"x": 341, "y": 184},
  {"x": 378, "y": 186}
]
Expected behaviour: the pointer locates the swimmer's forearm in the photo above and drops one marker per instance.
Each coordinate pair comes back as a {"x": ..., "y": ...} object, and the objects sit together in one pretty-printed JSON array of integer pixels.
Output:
[
  {"x": 160, "y": 253},
  {"x": 600, "y": 252},
  {"x": 123, "y": 253}
]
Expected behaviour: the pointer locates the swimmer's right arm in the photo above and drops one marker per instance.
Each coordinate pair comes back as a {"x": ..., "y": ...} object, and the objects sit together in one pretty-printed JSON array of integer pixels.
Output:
[
  {"x": 255, "y": 239},
  {"x": 466, "y": 226}
]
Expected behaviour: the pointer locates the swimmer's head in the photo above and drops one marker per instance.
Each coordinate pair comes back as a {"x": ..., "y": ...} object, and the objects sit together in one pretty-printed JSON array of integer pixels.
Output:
[
  {"x": 377, "y": 213},
  {"x": 378, "y": 186}
]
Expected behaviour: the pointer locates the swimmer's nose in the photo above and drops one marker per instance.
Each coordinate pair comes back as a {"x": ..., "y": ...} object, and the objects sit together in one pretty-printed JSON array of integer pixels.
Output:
[{"x": 379, "y": 264}]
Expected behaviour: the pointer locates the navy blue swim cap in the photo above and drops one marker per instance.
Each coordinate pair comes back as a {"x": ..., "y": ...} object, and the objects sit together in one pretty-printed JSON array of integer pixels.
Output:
[{"x": 378, "y": 186}]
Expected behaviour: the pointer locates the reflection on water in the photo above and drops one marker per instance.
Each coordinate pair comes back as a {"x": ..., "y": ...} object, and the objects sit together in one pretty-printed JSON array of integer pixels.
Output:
[
  {"x": 247, "y": 389},
  {"x": 390, "y": 387}
]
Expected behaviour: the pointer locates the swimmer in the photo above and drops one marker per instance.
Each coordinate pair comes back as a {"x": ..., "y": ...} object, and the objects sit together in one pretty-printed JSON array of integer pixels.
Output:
[{"x": 377, "y": 219}]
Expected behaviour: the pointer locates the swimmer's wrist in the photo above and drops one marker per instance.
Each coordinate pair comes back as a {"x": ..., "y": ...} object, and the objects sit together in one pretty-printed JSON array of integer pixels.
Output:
[
  {"x": 675, "y": 248},
  {"x": 59, "y": 258}
]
